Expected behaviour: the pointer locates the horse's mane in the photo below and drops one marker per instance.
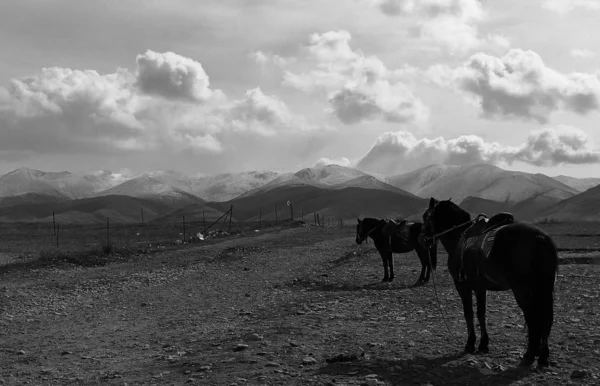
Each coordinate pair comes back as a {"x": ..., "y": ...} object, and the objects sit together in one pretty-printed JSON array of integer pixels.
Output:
[{"x": 457, "y": 211}]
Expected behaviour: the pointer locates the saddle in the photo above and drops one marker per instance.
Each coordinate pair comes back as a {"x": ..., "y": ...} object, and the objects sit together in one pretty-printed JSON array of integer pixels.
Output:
[
  {"x": 481, "y": 235},
  {"x": 393, "y": 228}
]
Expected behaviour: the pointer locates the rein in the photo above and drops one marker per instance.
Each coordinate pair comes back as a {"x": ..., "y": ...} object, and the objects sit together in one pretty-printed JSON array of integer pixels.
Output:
[{"x": 433, "y": 237}]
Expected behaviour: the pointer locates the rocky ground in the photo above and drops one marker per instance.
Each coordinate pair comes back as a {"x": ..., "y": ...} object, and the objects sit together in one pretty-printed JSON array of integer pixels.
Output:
[{"x": 294, "y": 307}]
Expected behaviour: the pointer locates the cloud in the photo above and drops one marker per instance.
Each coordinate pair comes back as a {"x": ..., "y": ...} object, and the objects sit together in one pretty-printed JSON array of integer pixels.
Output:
[
  {"x": 166, "y": 104},
  {"x": 582, "y": 53},
  {"x": 328, "y": 161},
  {"x": 451, "y": 23},
  {"x": 264, "y": 114},
  {"x": 359, "y": 88},
  {"x": 566, "y": 6},
  {"x": 264, "y": 59},
  {"x": 520, "y": 85},
  {"x": 397, "y": 152},
  {"x": 172, "y": 76}
]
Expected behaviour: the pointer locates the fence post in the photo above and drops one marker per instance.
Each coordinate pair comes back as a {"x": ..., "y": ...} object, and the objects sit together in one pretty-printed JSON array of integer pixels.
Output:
[
  {"x": 318, "y": 220},
  {"x": 107, "y": 235},
  {"x": 230, "y": 216},
  {"x": 53, "y": 224},
  {"x": 183, "y": 221},
  {"x": 292, "y": 210}
]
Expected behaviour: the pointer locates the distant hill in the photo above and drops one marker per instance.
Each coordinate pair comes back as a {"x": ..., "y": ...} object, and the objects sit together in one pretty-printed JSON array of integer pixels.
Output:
[
  {"x": 224, "y": 187},
  {"x": 87, "y": 210},
  {"x": 192, "y": 213},
  {"x": 369, "y": 182},
  {"x": 328, "y": 175},
  {"x": 583, "y": 207},
  {"x": 484, "y": 181},
  {"x": 344, "y": 203},
  {"x": 31, "y": 198},
  {"x": 152, "y": 189},
  {"x": 60, "y": 184},
  {"x": 477, "y": 205},
  {"x": 580, "y": 184},
  {"x": 24, "y": 181}
]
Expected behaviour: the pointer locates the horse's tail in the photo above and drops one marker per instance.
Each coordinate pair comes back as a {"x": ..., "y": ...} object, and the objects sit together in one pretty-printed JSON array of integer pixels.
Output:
[{"x": 546, "y": 268}]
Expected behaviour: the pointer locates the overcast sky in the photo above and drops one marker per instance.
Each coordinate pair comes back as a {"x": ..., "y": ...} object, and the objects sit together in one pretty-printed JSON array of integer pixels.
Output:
[{"x": 229, "y": 85}]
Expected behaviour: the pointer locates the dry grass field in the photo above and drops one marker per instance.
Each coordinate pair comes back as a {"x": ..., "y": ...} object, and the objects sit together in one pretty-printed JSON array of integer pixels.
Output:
[{"x": 295, "y": 306}]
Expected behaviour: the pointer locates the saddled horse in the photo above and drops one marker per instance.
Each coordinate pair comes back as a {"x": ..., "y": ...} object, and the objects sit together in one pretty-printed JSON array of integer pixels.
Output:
[
  {"x": 402, "y": 238},
  {"x": 498, "y": 254}
]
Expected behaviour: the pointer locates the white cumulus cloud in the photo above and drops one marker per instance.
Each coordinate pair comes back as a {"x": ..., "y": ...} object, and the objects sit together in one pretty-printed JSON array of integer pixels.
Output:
[
  {"x": 166, "y": 104},
  {"x": 172, "y": 76},
  {"x": 520, "y": 85},
  {"x": 397, "y": 152},
  {"x": 582, "y": 53},
  {"x": 359, "y": 88},
  {"x": 329, "y": 161},
  {"x": 566, "y": 6},
  {"x": 451, "y": 23}
]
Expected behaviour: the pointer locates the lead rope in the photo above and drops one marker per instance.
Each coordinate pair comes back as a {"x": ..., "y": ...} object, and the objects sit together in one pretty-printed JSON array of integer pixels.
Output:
[{"x": 436, "y": 294}]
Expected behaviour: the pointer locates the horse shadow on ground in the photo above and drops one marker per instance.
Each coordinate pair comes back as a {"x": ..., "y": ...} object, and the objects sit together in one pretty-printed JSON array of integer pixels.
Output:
[
  {"x": 444, "y": 370},
  {"x": 327, "y": 286}
]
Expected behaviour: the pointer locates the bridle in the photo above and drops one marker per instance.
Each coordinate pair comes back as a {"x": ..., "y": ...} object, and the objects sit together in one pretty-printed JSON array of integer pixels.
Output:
[
  {"x": 432, "y": 238},
  {"x": 378, "y": 226}
]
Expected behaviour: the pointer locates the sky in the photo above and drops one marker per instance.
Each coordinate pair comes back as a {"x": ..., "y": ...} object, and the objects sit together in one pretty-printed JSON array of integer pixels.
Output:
[{"x": 215, "y": 86}]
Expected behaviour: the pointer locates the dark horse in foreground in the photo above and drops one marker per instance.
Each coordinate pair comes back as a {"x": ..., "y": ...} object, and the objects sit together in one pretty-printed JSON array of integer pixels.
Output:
[
  {"x": 406, "y": 239},
  {"x": 498, "y": 255}
]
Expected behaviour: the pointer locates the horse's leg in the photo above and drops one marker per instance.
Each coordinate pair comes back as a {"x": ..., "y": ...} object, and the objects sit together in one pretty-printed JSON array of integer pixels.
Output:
[
  {"x": 464, "y": 290},
  {"x": 480, "y": 295},
  {"x": 386, "y": 273},
  {"x": 524, "y": 300},
  {"x": 391, "y": 265}
]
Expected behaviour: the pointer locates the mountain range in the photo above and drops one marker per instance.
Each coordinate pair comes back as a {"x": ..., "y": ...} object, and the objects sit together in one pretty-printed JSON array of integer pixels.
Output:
[{"x": 333, "y": 191}]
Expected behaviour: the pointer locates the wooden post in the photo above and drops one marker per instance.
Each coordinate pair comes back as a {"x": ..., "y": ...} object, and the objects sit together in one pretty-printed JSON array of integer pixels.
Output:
[
  {"x": 107, "y": 234},
  {"x": 292, "y": 211},
  {"x": 183, "y": 222},
  {"x": 318, "y": 220},
  {"x": 53, "y": 224},
  {"x": 230, "y": 216}
]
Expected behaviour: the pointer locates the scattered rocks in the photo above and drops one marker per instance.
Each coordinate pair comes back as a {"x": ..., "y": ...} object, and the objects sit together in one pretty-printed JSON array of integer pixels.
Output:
[
  {"x": 309, "y": 361},
  {"x": 240, "y": 347}
]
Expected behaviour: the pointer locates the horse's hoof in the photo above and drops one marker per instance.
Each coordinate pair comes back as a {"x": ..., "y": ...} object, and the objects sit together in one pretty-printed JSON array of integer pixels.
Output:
[
  {"x": 384, "y": 279},
  {"x": 526, "y": 361},
  {"x": 469, "y": 349},
  {"x": 483, "y": 350},
  {"x": 543, "y": 362}
]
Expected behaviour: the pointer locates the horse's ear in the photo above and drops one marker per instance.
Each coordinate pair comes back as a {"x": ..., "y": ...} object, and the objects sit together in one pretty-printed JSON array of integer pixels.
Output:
[
  {"x": 432, "y": 202},
  {"x": 450, "y": 199},
  {"x": 358, "y": 220}
]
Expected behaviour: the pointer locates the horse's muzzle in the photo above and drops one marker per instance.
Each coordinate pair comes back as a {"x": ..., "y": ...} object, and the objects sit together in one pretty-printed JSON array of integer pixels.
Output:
[{"x": 358, "y": 240}]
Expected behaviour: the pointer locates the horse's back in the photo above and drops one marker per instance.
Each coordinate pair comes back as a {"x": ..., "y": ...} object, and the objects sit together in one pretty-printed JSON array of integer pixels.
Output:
[{"x": 520, "y": 243}]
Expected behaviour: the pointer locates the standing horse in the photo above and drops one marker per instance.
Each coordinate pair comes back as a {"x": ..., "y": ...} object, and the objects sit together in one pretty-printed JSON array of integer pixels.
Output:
[
  {"x": 498, "y": 257},
  {"x": 403, "y": 242}
]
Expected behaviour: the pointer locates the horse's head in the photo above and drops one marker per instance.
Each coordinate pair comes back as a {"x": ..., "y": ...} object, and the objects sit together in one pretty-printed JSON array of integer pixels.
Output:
[
  {"x": 364, "y": 228},
  {"x": 441, "y": 216}
]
